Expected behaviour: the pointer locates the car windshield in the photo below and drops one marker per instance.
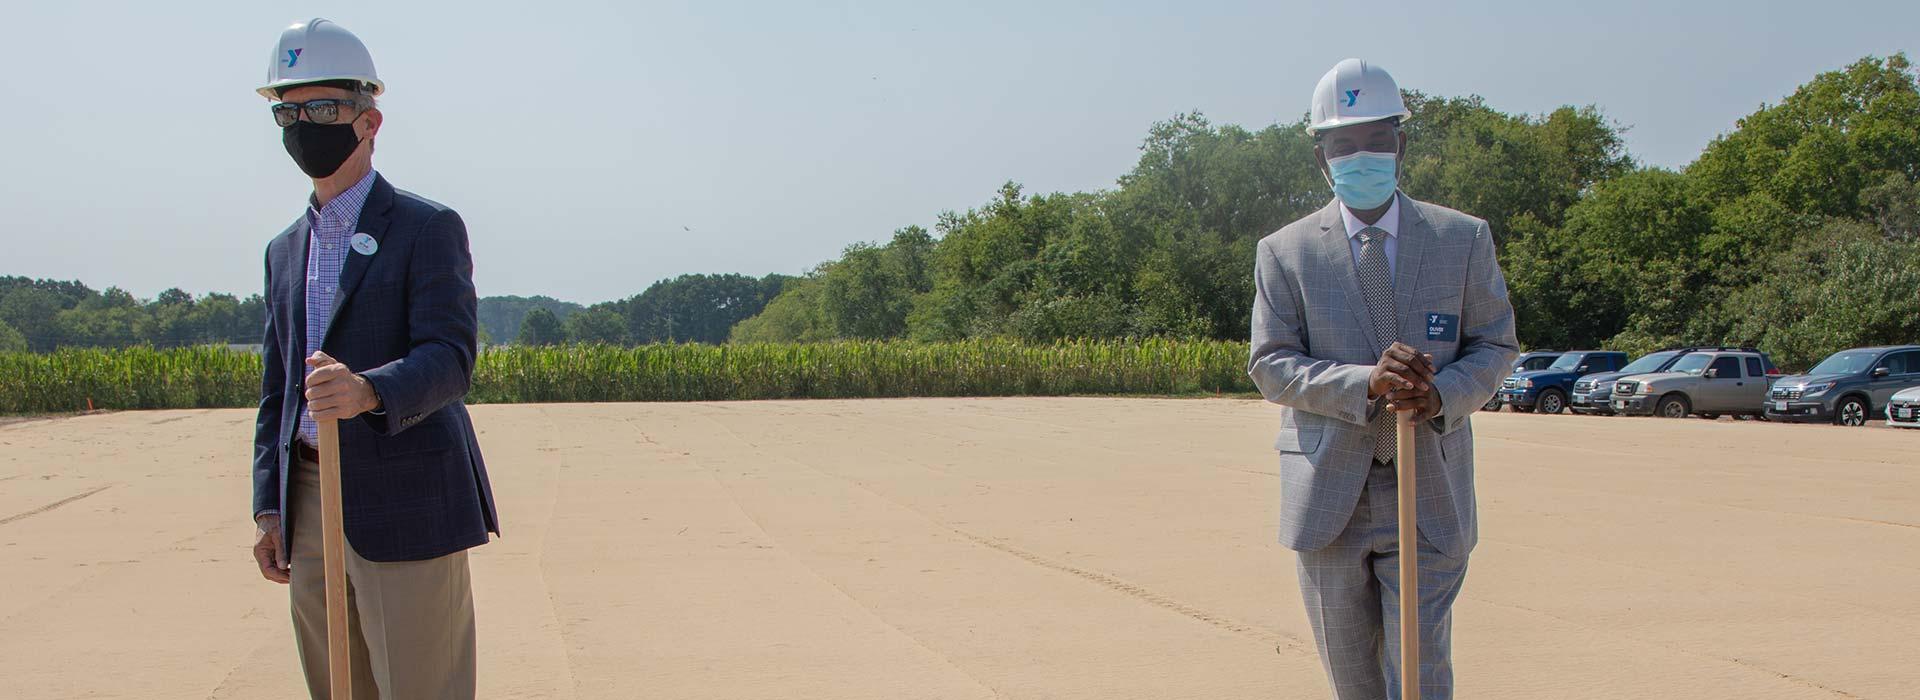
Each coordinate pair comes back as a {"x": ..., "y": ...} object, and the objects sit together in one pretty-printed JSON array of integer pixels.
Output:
[
  {"x": 1569, "y": 361},
  {"x": 1844, "y": 362},
  {"x": 1650, "y": 363},
  {"x": 1693, "y": 363}
]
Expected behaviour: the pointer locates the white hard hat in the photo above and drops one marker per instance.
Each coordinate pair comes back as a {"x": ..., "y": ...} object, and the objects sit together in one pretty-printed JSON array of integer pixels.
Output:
[
  {"x": 318, "y": 51},
  {"x": 1355, "y": 92}
]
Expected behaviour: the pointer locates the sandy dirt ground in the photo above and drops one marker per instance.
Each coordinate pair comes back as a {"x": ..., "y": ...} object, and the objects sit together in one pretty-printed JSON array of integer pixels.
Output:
[{"x": 1005, "y": 548}]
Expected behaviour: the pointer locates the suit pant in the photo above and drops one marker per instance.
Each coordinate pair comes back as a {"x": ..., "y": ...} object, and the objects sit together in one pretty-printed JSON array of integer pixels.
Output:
[
  {"x": 410, "y": 623},
  {"x": 1352, "y": 591}
]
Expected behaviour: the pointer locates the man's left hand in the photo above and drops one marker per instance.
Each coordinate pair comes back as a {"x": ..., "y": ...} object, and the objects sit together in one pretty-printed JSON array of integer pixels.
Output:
[
  {"x": 335, "y": 392},
  {"x": 1425, "y": 405}
]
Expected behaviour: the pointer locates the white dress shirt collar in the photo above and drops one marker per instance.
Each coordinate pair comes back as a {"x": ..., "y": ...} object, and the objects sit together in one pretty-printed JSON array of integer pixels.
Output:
[{"x": 1389, "y": 222}]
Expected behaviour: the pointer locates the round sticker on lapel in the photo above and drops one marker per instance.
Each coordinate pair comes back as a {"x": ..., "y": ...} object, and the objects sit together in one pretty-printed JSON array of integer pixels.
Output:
[{"x": 364, "y": 244}]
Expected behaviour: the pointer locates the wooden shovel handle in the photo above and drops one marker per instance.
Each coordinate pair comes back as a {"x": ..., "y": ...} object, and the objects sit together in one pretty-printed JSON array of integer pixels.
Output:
[
  {"x": 1409, "y": 560},
  {"x": 333, "y": 543}
]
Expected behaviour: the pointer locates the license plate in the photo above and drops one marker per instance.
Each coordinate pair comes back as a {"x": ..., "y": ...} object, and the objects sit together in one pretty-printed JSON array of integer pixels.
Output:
[
  {"x": 1909, "y": 413},
  {"x": 1580, "y": 400},
  {"x": 1619, "y": 405},
  {"x": 1780, "y": 406}
]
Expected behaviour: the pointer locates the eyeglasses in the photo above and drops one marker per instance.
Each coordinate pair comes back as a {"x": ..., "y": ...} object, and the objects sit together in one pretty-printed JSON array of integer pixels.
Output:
[{"x": 318, "y": 111}]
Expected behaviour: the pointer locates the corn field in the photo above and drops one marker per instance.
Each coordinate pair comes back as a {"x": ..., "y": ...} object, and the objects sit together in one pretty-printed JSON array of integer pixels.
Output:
[
  {"x": 142, "y": 378},
  {"x": 66, "y": 380}
]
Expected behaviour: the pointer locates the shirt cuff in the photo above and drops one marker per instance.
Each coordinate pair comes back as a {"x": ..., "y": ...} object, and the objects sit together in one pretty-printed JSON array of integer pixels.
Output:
[{"x": 380, "y": 408}]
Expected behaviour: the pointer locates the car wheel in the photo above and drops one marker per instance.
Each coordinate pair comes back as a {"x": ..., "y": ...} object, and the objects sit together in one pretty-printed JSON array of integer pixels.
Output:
[
  {"x": 1551, "y": 402},
  {"x": 1852, "y": 411},
  {"x": 1493, "y": 404},
  {"x": 1675, "y": 406}
]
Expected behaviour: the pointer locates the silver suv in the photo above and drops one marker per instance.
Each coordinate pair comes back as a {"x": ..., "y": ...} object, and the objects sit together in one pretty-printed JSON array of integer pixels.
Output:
[
  {"x": 1710, "y": 383},
  {"x": 1850, "y": 387}
]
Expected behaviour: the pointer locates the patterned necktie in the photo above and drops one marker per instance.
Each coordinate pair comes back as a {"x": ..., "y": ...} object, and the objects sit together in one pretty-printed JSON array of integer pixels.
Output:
[{"x": 1376, "y": 282}]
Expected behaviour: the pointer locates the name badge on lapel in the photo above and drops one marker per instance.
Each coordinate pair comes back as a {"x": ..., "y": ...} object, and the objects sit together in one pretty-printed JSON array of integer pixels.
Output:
[
  {"x": 1443, "y": 327},
  {"x": 364, "y": 244}
]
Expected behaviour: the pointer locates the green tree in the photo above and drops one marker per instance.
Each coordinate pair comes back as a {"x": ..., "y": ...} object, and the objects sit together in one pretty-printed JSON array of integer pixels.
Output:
[
  {"x": 31, "y": 311},
  {"x": 11, "y": 340},
  {"x": 1895, "y": 206},
  {"x": 501, "y": 316},
  {"x": 1626, "y": 258},
  {"x": 696, "y": 308},
  {"x": 541, "y": 327},
  {"x": 1817, "y": 150},
  {"x": 792, "y": 317},
  {"x": 1844, "y": 285},
  {"x": 1505, "y": 168},
  {"x": 869, "y": 292},
  {"x": 597, "y": 326}
]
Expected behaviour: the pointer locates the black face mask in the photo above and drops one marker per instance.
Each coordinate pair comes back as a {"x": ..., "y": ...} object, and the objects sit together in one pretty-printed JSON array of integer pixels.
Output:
[{"x": 319, "y": 149}]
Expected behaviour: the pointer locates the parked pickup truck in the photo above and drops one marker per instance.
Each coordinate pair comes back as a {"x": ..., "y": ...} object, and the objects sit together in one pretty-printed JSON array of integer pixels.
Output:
[
  {"x": 1546, "y": 390},
  {"x": 1593, "y": 394},
  {"x": 1709, "y": 383},
  {"x": 1526, "y": 362}
]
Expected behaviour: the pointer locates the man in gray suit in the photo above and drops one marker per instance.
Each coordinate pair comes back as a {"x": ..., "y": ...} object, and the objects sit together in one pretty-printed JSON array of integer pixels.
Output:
[{"x": 1377, "y": 303}]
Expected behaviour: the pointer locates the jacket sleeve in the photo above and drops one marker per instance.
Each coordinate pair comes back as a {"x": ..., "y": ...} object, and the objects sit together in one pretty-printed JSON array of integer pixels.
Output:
[
  {"x": 1279, "y": 363},
  {"x": 1487, "y": 340},
  {"x": 267, "y": 450},
  {"x": 443, "y": 320}
]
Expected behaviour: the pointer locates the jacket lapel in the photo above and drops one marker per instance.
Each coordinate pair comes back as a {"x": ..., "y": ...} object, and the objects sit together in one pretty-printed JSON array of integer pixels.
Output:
[
  {"x": 1415, "y": 234},
  {"x": 373, "y": 222},
  {"x": 1336, "y": 255},
  {"x": 296, "y": 266}
]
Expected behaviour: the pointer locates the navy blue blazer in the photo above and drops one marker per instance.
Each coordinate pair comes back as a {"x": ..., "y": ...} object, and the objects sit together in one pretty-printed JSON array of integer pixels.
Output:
[{"x": 413, "y": 485}]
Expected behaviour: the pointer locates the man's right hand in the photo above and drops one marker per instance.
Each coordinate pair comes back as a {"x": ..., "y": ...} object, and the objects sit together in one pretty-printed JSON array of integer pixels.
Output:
[
  {"x": 1400, "y": 367},
  {"x": 266, "y": 550}
]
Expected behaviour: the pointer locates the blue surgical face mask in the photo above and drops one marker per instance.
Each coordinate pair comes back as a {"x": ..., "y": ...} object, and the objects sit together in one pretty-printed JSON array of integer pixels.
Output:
[{"x": 1363, "y": 180}]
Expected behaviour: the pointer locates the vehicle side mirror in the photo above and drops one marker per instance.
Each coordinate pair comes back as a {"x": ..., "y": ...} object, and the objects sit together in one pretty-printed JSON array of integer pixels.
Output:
[
  {"x": 1517, "y": 369},
  {"x": 1879, "y": 372},
  {"x": 1713, "y": 374},
  {"x": 1582, "y": 369}
]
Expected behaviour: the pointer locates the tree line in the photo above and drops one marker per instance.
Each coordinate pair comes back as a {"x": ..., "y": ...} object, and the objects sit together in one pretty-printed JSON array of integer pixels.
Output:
[
  {"x": 685, "y": 309},
  {"x": 45, "y": 315},
  {"x": 1796, "y": 232},
  {"x": 42, "y": 315}
]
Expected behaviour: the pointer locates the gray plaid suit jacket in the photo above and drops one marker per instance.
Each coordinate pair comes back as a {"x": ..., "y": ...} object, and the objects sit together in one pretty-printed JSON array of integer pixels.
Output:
[{"x": 1314, "y": 347}]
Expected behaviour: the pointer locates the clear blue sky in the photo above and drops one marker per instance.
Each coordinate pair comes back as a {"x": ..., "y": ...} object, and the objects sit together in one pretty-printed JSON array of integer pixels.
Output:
[{"x": 578, "y": 139}]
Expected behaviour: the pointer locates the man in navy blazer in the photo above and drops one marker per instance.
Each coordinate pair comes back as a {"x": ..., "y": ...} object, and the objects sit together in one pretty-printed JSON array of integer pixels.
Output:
[{"x": 371, "y": 321}]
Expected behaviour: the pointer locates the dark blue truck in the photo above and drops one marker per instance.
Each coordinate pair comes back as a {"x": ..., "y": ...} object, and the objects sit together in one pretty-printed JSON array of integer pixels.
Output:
[
  {"x": 1546, "y": 390},
  {"x": 1527, "y": 361}
]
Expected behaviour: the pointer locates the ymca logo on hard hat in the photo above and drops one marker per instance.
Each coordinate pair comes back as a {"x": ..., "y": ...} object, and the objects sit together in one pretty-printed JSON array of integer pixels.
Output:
[
  {"x": 1355, "y": 92},
  {"x": 319, "y": 51}
]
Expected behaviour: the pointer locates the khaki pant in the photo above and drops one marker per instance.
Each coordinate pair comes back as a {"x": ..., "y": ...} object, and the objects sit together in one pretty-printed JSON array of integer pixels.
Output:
[{"x": 410, "y": 623}]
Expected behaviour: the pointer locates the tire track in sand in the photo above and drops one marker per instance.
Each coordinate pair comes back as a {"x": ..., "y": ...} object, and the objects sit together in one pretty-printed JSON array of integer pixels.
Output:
[
  {"x": 1143, "y": 594},
  {"x": 1280, "y": 640},
  {"x": 50, "y": 506}
]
